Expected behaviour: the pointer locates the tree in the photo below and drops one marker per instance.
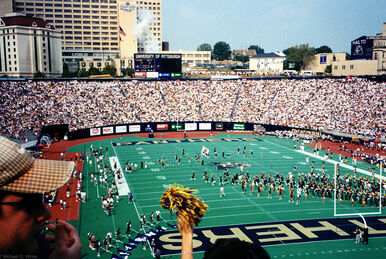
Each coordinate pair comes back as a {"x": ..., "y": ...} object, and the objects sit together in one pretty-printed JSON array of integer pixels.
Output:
[
  {"x": 257, "y": 48},
  {"x": 93, "y": 71},
  {"x": 299, "y": 56},
  {"x": 66, "y": 72},
  {"x": 221, "y": 50},
  {"x": 39, "y": 74},
  {"x": 348, "y": 56},
  {"x": 130, "y": 72},
  {"x": 242, "y": 58},
  {"x": 323, "y": 49},
  {"x": 82, "y": 73},
  {"x": 204, "y": 47},
  {"x": 109, "y": 69}
]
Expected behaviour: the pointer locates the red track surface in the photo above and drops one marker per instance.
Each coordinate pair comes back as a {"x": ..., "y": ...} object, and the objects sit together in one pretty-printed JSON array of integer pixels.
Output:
[{"x": 334, "y": 147}]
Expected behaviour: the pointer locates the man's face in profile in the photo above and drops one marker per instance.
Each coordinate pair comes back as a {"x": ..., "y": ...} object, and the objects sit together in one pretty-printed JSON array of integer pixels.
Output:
[{"x": 22, "y": 219}]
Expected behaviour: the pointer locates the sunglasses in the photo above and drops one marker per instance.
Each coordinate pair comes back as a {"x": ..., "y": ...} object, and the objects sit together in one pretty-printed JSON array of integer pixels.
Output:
[{"x": 30, "y": 203}]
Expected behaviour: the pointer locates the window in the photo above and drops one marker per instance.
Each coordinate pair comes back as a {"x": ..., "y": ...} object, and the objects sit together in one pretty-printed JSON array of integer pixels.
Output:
[
  {"x": 343, "y": 67},
  {"x": 351, "y": 66}
]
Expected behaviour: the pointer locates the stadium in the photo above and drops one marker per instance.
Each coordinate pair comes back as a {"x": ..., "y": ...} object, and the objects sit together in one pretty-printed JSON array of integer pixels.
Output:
[{"x": 300, "y": 161}]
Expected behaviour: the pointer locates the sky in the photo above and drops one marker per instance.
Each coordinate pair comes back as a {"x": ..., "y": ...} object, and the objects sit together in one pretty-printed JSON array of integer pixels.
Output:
[{"x": 274, "y": 25}]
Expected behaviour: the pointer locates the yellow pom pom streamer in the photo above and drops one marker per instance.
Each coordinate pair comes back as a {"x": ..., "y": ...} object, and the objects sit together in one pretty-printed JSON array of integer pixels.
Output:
[{"x": 189, "y": 207}]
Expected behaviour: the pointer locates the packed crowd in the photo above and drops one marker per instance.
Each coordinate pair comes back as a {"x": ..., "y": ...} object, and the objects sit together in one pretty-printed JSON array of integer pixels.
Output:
[{"x": 352, "y": 106}]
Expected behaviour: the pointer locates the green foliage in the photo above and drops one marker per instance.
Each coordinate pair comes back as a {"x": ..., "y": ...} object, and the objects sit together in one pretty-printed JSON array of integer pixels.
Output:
[
  {"x": 348, "y": 56},
  {"x": 93, "y": 71},
  {"x": 109, "y": 69},
  {"x": 242, "y": 58},
  {"x": 299, "y": 55},
  {"x": 66, "y": 72},
  {"x": 130, "y": 72},
  {"x": 39, "y": 74},
  {"x": 82, "y": 73},
  {"x": 323, "y": 49},
  {"x": 221, "y": 51},
  {"x": 204, "y": 47},
  {"x": 257, "y": 48}
]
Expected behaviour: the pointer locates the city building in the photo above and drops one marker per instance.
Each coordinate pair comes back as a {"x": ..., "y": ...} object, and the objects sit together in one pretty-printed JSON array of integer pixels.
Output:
[
  {"x": 268, "y": 63},
  {"x": 193, "y": 58},
  {"x": 321, "y": 61},
  {"x": 354, "y": 68},
  {"x": 29, "y": 45},
  {"x": 368, "y": 48},
  {"x": 243, "y": 52},
  {"x": 97, "y": 29}
]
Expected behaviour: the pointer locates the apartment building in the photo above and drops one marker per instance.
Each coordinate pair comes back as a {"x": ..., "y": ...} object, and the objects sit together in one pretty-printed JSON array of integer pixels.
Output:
[
  {"x": 267, "y": 63},
  {"x": 29, "y": 45},
  {"x": 97, "y": 29},
  {"x": 321, "y": 61}
]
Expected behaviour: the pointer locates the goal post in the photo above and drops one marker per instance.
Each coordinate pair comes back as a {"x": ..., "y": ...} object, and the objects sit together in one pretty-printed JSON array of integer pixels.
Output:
[{"x": 359, "y": 213}]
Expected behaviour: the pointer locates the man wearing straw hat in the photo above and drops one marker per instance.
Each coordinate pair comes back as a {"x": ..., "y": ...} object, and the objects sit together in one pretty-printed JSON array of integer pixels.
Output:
[{"x": 23, "y": 214}]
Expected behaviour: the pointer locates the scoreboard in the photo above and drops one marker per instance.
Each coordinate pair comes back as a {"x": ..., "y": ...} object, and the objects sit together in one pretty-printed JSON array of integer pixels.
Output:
[{"x": 162, "y": 63}]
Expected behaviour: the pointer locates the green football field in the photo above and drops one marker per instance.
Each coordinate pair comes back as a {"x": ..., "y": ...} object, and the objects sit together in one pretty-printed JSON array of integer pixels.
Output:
[{"x": 285, "y": 229}]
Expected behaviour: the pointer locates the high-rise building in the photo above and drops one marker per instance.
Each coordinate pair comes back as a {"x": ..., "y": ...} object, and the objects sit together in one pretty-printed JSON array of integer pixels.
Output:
[
  {"x": 29, "y": 45},
  {"x": 97, "y": 29}
]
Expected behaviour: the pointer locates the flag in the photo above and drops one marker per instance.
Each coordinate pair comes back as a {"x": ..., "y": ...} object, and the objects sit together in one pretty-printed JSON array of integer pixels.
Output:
[
  {"x": 123, "y": 252},
  {"x": 161, "y": 228},
  {"x": 205, "y": 151},
  {"x": 132, "y": 242},
  {"x": 129, "y": 247},
  {"x": 138, "y": 238},
  {"x": 121, "y": 31},
  {"x": 150, "y": 233}
]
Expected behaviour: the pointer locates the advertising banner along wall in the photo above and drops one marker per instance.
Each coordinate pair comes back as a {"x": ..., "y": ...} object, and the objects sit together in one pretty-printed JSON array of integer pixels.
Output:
[
  {"x": 238, "y": 126},
  {"x": 120, "y": 129},
  {"x": 108, "y": 130},
  {"x": 205, "y": 126},
  {"x": 95, "y": 131},
  {"x": 190, "y": 126},
  {"x": 134, "y": 128}
]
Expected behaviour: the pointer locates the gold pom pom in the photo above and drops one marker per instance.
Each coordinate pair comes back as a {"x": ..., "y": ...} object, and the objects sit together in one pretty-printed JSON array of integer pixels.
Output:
[{"x": 189, "y": 207}]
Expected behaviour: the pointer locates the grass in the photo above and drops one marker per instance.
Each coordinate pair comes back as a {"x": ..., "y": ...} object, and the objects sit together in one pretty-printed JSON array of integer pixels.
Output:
[{"x": 236, "y": 209}]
